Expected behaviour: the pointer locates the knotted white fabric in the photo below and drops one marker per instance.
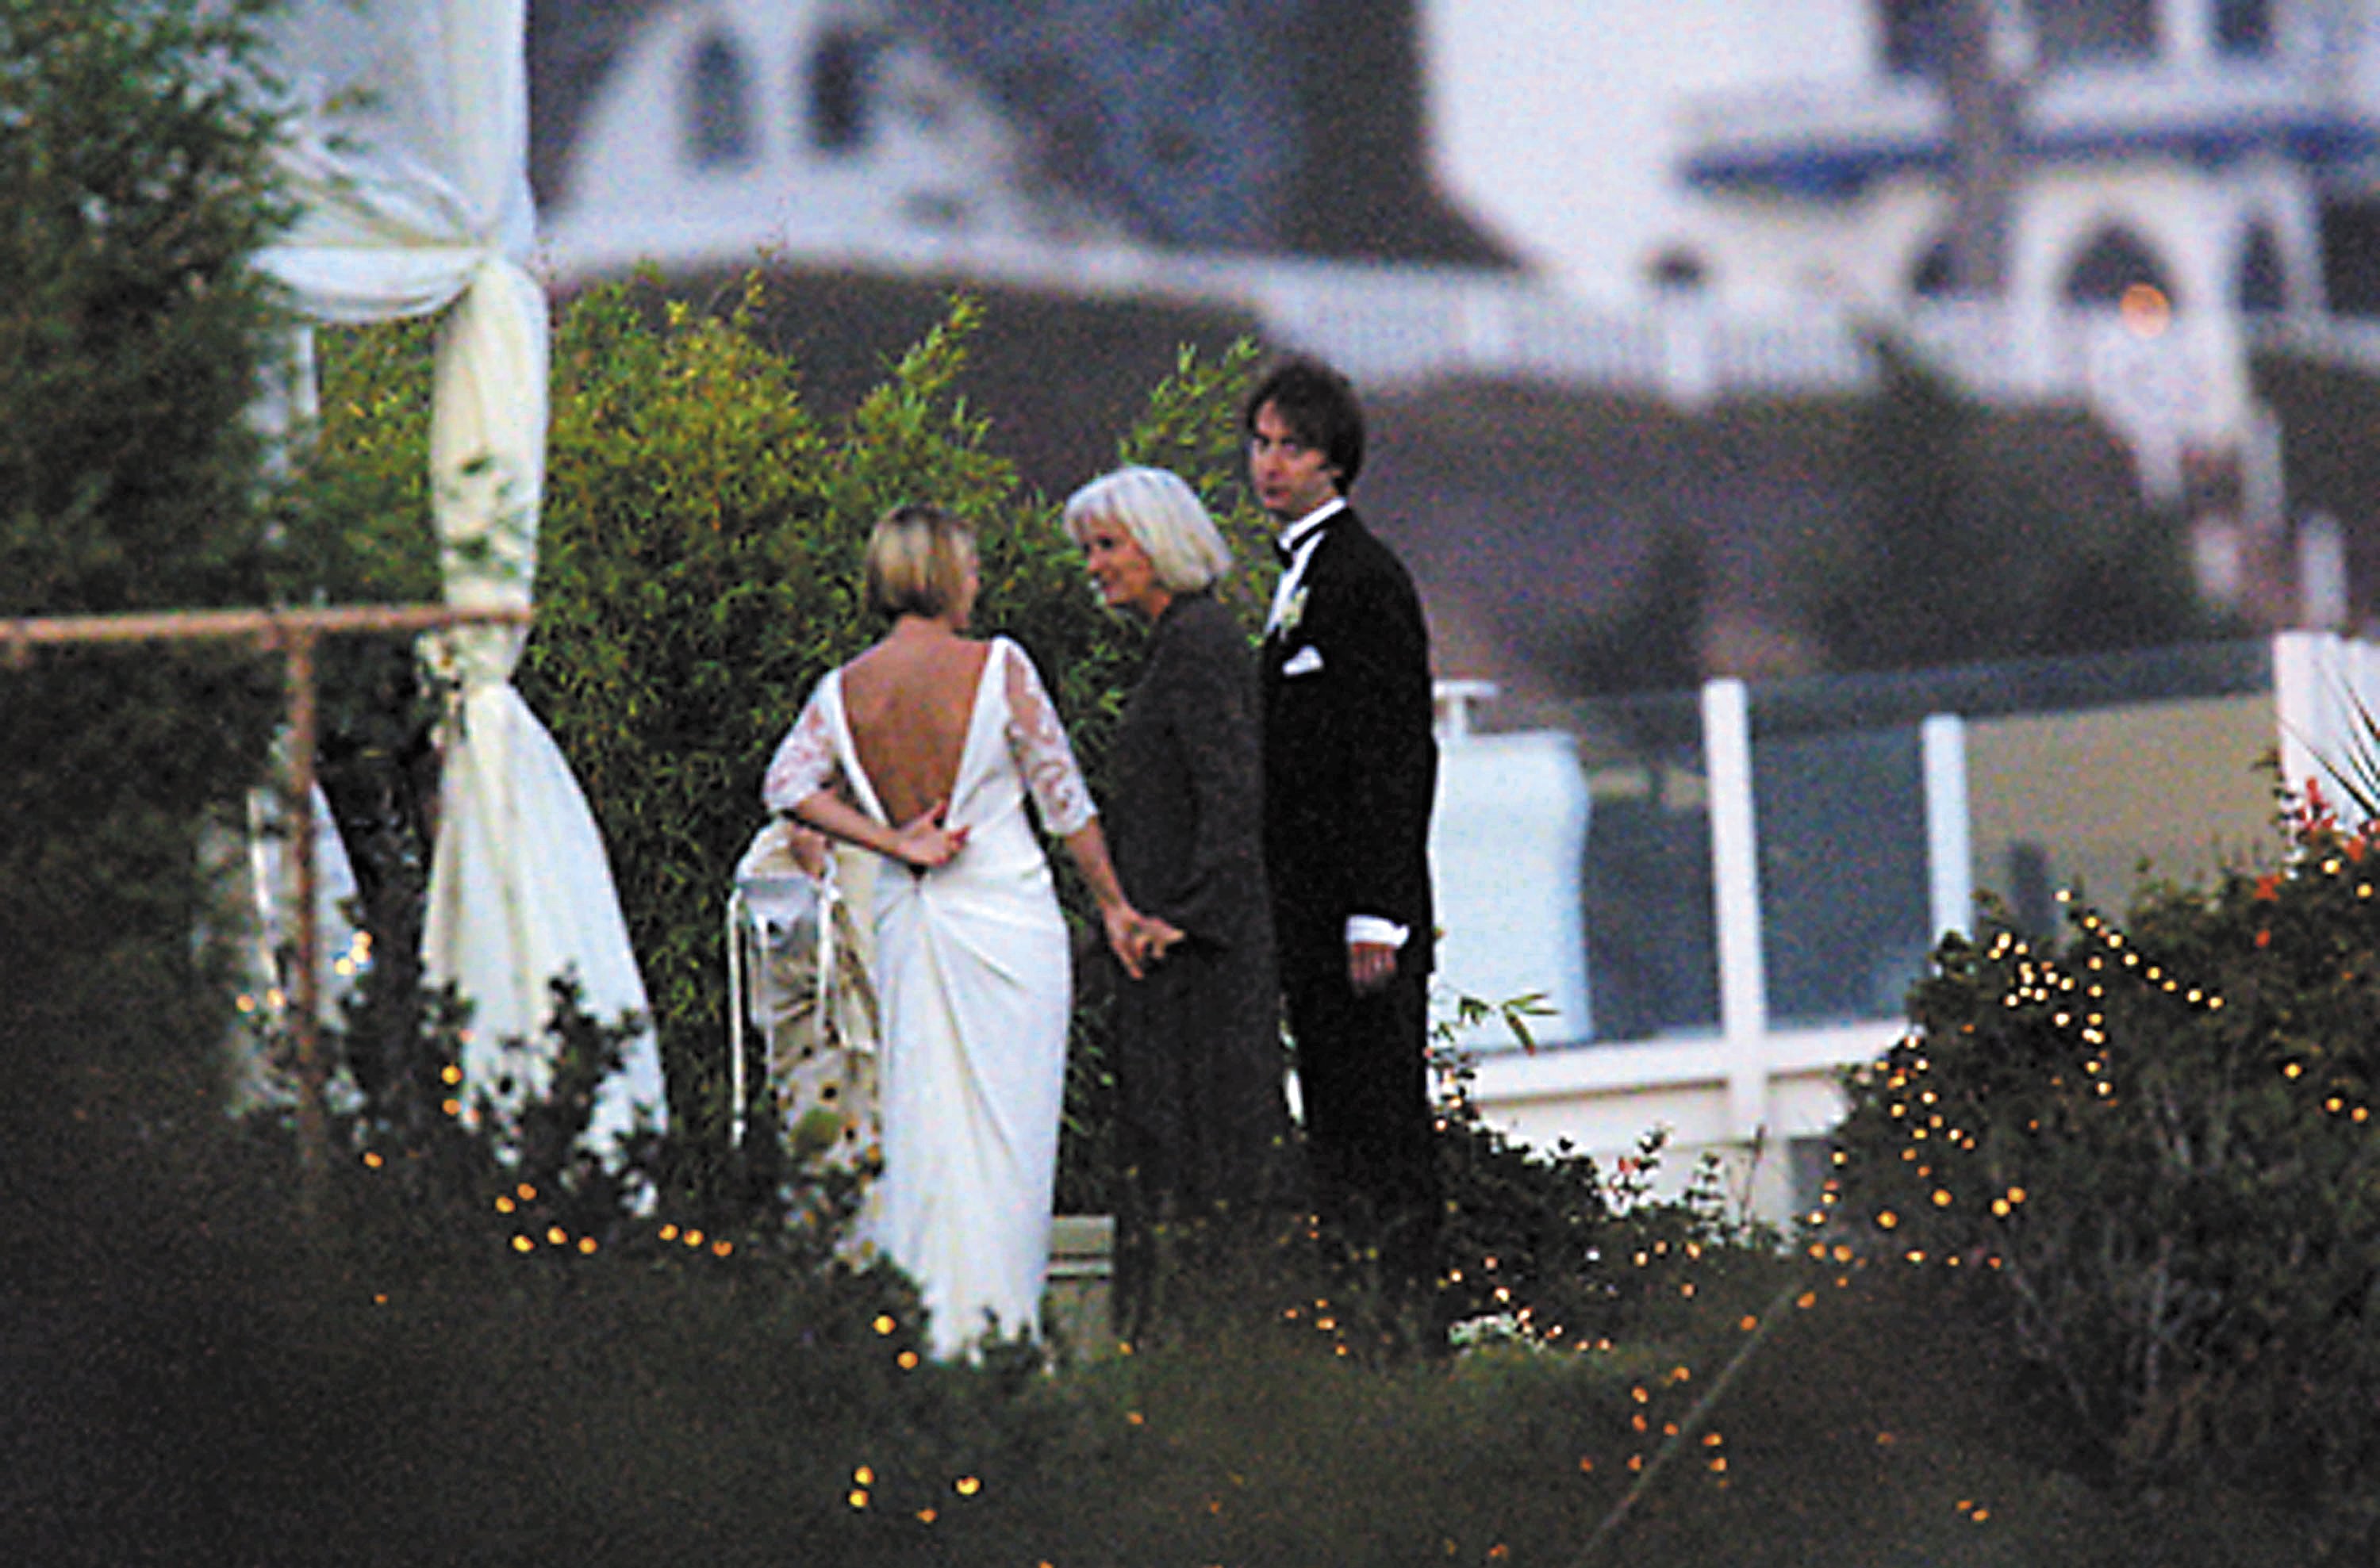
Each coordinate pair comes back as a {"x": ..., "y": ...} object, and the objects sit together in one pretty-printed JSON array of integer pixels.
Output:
[{"x": 410, "y": 166}]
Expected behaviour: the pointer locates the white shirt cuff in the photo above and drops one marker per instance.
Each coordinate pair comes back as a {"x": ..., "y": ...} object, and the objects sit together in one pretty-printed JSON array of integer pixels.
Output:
[{"x": 1375, "y": 928}]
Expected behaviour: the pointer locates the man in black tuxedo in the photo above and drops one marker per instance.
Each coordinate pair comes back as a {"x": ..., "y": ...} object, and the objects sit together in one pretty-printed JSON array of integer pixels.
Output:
[{"x": 1350, "y": 773}]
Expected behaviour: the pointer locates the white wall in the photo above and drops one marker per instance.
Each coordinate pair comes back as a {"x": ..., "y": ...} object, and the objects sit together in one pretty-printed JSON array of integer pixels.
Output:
[
  {"x": 939, "y": 165},
  {"x": 1507, "y": 844},
  {"x": 1555, "y": 124}
]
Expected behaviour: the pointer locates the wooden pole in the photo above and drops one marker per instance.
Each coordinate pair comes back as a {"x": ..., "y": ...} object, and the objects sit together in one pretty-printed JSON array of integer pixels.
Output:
[
  {"x": 298, "y": 815},
  {"x": 293, "y": 633}
]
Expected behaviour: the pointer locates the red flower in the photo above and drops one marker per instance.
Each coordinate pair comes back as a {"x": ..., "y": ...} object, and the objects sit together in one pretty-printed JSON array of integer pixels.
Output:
[{"x": 2268, "y": 886}]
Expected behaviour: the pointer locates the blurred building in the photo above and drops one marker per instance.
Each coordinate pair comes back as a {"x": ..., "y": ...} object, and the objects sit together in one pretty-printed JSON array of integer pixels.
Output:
[
  {"x": 2115, "y": 203},
  {"x": 1609, "y": 276}
]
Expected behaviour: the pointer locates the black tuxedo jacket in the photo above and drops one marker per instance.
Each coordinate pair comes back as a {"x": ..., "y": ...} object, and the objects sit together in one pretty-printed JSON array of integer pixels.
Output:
[{"x": 1350, "y": 761}]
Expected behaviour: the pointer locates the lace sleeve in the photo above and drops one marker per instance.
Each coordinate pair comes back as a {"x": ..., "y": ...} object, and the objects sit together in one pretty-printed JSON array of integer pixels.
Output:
[
  {"x": 805, "y": 762},
  {"x": 1038, "y": 743}
]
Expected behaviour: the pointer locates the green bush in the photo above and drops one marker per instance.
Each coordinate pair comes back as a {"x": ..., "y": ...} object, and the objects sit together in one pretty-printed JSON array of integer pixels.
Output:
[
  {"x": 699, "y": 571},
  {"x": 136, "y": 166},
  {"x": 2147, "y": 1150},
  {"x": 1542, "y": 1246}
]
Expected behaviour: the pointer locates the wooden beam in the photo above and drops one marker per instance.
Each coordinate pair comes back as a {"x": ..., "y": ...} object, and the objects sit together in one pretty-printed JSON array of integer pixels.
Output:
[{"x": 293, "y": 632}]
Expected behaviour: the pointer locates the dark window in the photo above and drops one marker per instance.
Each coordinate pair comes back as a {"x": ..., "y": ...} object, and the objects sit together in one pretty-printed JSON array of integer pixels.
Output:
[
  {"x": 1932, "y": 277},
  {"x": 2350, "y": 255},
  {"x": 1917, "y": 36},
  {"x": 1679, "y": 271},
  {"x": 722, "y": 106},
  {"x": 838, "y": 89},
  {"x": 2243, "y": 27},
  {"x": 2264, "y": 277},
  {"x": 2092, "y": 31},
  {"x": 2114, "y": 262}
]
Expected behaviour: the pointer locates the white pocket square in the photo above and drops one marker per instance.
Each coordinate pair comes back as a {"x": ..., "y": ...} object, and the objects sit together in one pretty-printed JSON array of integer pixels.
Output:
[{"x": 1304, "y": 661}]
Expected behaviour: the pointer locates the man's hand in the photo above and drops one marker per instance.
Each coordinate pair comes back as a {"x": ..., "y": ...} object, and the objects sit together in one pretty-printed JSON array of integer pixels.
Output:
[{"x": 1370, "y": 965}]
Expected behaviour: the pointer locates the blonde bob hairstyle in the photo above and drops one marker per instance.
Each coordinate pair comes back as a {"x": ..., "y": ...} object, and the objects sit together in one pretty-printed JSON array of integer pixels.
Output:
[
  {"x": 917, "y": 561},
  {"x": 1164, "y": 517}
]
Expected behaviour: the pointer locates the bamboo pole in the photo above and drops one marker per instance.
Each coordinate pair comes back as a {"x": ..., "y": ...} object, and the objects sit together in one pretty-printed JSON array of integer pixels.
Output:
[{"x": 293, "y": 633}]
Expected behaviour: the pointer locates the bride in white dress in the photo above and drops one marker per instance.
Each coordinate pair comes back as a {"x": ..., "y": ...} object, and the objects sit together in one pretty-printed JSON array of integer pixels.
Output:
[{"x": 923, "y": 750}]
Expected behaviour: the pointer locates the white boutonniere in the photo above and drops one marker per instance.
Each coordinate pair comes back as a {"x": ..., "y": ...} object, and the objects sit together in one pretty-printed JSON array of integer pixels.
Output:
[{"x": 1293, "y": 612}]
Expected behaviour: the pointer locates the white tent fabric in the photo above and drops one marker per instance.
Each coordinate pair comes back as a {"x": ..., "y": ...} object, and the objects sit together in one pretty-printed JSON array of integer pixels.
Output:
[{"x": 410, "y": 166}]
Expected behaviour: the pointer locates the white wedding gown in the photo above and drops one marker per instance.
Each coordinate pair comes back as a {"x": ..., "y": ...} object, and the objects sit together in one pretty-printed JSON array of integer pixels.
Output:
[{"x": 973, "y": 982}]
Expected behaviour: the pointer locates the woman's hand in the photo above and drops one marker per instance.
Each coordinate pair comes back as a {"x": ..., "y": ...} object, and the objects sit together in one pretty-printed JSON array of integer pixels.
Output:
[
  {"x": 1125, "y": 937},
  {"x": 1158, "y": 938},
  {"x": 1138, "y": 940},
  {"x": 923, "y": 842}
]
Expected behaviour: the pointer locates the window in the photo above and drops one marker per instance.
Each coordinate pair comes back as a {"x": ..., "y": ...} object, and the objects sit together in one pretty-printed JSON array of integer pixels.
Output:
[
  {"x": 720, "y": 106},
  {"x": 1679, "y": 271},
  {"x": 1917, "y": 36},
  {"x": 2068, "y": 32},
  {"x": 2243, "y": 27},
  {"x": 2113, "y": 264},
  {"x": 838, "y": 91},
  {"x": 1933, "y": 278},
  {"x": 2264, "y": 286}
]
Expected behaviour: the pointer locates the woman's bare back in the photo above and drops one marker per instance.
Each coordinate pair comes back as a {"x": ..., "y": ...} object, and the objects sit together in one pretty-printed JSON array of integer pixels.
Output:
[{"x": 909, "y": 700}]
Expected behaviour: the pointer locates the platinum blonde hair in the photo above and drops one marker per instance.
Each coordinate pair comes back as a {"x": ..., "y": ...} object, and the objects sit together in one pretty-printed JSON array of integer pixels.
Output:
[{"x": 1164, "y": 517}]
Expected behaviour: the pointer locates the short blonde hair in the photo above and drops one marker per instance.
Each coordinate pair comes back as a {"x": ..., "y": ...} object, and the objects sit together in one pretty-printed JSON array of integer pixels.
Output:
[
  {"x": 1164, "y": 517},
  {"x": 917, "y": 561}
]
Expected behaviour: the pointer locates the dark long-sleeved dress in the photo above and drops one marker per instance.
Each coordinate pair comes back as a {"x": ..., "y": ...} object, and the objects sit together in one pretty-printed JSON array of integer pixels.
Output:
[{"x": 1202, "y": 1119}]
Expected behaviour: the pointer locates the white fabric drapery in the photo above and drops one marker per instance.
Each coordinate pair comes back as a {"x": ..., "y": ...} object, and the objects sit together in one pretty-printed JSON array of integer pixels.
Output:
[{"x": 411, "y": 169}]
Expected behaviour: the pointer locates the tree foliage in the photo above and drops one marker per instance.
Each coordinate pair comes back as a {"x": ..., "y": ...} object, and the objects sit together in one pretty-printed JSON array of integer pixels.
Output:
[
  {"x": 132, "y": 329},
  {"x": 699, "y": 571},
  {"x": 1969, "y": 548}
]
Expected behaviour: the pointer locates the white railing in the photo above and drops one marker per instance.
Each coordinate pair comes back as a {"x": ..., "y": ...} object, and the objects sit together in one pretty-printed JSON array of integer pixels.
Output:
[
  {"x": 2162, "y": 387},
  {"x": 1749, "y": 1088}
]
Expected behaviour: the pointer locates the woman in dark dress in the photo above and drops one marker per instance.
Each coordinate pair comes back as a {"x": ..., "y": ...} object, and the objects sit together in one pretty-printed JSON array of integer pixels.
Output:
[{"x": 1202, "y": 1121}]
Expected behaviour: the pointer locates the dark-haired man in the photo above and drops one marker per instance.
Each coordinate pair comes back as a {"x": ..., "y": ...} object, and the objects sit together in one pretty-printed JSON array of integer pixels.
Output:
[{"x": 1350, "y": 772}]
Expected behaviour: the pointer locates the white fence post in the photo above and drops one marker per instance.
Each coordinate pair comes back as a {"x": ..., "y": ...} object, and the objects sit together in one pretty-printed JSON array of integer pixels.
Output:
[
  {"x": 1949, "y": 840},
  {"x": 1735, "y": 901},
  {"x": 2305, "y": 676},
  {"x": 2326, "y": 687}
]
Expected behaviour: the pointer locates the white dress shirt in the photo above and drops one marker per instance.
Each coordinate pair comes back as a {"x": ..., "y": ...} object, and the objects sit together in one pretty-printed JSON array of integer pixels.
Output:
[{"x": 1300, "y": 539}]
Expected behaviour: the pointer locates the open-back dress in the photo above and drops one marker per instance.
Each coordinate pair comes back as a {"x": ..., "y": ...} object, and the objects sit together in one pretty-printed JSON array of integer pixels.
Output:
[{"x": 975, "y": 986}]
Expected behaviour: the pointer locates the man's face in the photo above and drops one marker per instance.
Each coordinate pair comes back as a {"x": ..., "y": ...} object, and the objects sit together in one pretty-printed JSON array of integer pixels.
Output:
[{"x": 1291, "y": 477}]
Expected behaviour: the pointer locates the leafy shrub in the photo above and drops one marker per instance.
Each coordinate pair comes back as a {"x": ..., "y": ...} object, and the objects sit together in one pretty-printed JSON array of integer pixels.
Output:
[
  {"x": 1542, "y": 1246},
  {"x": 699, "y": 571},
  {"x": 137, "y": 162},
  {"x": 2148, "y": 1152}
]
